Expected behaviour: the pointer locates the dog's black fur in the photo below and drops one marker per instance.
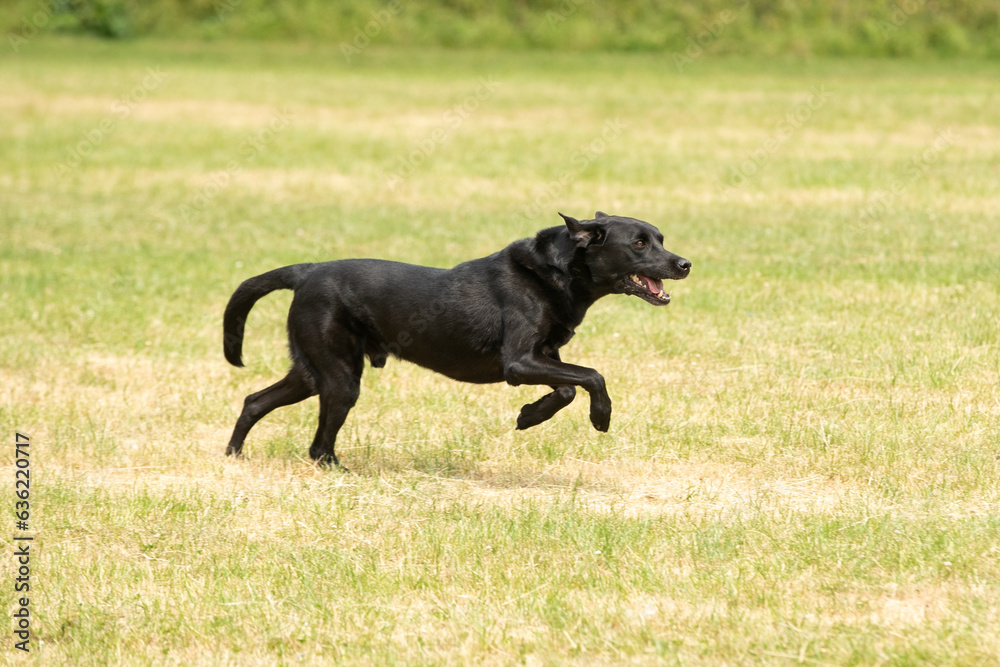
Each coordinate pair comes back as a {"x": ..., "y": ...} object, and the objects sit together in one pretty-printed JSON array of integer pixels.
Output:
[{"x": 501, "y": 318}]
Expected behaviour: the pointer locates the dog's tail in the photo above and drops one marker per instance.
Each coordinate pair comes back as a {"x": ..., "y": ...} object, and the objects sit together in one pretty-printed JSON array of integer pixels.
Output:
[{"x": 246, "y": 295}]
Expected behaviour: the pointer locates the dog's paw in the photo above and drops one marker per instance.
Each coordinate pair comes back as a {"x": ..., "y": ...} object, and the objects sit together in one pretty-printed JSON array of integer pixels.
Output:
[
  {"x": 601, "y": 419},
  {"x": 602, "y": 426},
  {"x": 324, "y": 460},
  {"x": 528, "y": 418}
]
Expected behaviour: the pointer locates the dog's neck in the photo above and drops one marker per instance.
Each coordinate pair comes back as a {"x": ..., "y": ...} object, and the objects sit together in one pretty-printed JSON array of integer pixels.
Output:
[{"x": 564, "y": 270}]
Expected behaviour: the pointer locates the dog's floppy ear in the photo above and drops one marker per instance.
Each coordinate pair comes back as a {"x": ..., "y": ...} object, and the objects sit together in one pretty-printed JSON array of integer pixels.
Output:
[
  {"x": 585, "y": 233},
  {"x": 601, "y": 214}
]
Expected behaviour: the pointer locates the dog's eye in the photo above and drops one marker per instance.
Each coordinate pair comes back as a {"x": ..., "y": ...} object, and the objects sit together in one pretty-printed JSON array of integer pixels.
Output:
[{"x": 640, "y": 244}]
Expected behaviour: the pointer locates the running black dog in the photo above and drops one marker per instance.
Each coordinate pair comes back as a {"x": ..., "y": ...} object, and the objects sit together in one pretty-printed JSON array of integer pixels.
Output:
[{"x": 501, "y": 318}]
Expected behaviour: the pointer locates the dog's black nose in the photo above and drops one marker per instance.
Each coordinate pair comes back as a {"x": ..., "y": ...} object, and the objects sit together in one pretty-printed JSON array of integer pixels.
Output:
[{"x": 684, "y": 264}]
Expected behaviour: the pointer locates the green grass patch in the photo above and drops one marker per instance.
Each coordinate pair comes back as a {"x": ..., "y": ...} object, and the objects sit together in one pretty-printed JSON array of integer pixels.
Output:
[{"x": 802, "y": 465}]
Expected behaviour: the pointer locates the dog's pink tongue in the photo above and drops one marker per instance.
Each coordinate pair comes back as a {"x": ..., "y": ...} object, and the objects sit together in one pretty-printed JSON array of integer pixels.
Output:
[{"x": 654, "y": 285}]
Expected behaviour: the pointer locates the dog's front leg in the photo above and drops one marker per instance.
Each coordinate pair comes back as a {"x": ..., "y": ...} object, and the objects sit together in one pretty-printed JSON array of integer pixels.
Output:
[
  {"x": 535, "y": 413},
  {"x": 534, "y": 368}
]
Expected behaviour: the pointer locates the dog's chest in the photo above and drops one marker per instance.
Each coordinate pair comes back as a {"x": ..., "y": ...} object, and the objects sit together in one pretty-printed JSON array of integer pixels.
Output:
[{"x": 559, "y": 335}]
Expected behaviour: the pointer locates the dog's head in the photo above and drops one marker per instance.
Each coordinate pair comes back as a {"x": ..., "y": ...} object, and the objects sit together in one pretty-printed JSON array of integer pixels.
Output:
[{"x": 627, "y": 256}]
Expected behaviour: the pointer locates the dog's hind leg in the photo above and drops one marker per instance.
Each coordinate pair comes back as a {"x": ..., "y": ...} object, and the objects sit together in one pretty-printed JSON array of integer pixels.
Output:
[
  {"x": 335, "y": 401},
  {"x": 339, "y": 387},
  {"x": 294, "y": 387},
  {"x": 542, "y": 409}
]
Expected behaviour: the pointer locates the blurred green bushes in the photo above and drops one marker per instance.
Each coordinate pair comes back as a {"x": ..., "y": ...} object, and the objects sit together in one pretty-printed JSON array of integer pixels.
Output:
[{"x": 765, "y": 27}]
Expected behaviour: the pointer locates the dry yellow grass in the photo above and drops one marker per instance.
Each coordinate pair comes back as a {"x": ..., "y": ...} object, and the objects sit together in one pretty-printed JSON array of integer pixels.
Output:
[{"x": 802, "y": 462}]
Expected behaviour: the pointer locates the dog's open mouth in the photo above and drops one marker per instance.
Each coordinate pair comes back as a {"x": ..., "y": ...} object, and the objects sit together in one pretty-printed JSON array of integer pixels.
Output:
[{"x": 650, "y": 289}]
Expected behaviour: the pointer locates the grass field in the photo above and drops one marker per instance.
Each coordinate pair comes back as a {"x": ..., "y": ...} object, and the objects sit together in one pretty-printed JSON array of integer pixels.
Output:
[{"x": 802, "y": 466}]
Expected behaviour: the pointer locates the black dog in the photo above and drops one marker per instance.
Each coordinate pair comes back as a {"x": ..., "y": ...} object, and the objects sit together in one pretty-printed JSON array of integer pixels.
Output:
[{"x": 501, "y": 318}]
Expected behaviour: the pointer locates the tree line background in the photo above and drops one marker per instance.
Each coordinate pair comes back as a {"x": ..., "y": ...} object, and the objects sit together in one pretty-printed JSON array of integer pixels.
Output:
[{"x": 899, "y": 28}]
